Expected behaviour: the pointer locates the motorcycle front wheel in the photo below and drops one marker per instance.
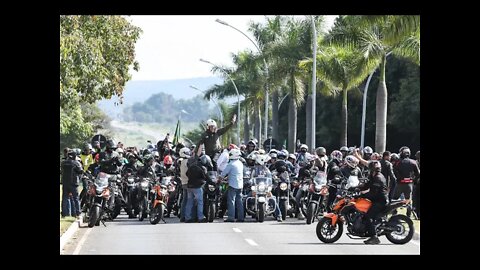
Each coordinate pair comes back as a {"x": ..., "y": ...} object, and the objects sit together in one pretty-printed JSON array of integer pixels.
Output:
[
  {"x": 157, "y": 213},
  {"x": 403, "y": 229},
  {"x": 328, "y": 233}
]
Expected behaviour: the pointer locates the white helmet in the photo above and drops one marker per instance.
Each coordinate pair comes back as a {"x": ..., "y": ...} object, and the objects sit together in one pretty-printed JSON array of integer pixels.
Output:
[
  {"x": 211, "y": 122},
  {"x": 119, "y": 150},
  {"x": 261, "y": 159},
  {"x": 304, "y": 146},
  {"x": 235, "y": 154},
  {"x": 184, "y": 152}
]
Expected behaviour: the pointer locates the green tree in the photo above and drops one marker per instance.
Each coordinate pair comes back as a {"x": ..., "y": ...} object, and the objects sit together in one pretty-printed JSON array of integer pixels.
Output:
[{"x": 376, "y": 37}]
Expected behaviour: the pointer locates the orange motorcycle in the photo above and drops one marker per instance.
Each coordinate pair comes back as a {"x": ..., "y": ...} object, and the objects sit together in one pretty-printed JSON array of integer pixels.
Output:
[{"x": 350, "y": 210}]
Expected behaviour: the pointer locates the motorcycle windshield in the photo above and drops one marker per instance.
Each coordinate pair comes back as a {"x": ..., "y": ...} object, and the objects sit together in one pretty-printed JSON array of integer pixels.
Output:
[
  {"x": 265, "y": 180},
  {"x": 101, "y": 182},
  {"x": 320, "y": 178},
  {"x": 166, "y": 180},
  {"x": 352, "y": 181}
]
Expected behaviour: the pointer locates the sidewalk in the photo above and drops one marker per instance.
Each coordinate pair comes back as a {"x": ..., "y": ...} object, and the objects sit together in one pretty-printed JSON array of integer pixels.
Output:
[{"x": 67, "y": 235}]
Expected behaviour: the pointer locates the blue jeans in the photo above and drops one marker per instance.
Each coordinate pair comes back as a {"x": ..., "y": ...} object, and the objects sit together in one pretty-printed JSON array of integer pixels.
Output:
[
  {"x": 70, "y": 204},
  {"x": 234, "y": 200},
  {"x": 197, "y": 195},
  {"x": 184, "y": 202}
]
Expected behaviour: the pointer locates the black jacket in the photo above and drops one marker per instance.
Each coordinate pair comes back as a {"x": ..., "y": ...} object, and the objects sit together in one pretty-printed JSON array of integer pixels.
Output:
[
  {"x": 407, "y": 168},
  {"x": 71, "y": 170},
  {"x": 210, "y": 140},
  {"x": 197, "y": 175},
  {"x": 387, "y": 171},
  {"x": 109, "y": 162},
  {"x": 378, "y": 188}
]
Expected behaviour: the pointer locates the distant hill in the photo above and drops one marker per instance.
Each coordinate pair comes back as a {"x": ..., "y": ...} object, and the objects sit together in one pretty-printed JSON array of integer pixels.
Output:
[{"x": 139, "y": 91}]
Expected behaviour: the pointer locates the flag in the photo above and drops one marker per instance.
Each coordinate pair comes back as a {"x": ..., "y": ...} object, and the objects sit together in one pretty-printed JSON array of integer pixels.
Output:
[{"x": 177, "y": 134}]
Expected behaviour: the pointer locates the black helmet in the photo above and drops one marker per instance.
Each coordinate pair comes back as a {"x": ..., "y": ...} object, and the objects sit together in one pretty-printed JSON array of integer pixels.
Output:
[
  {"x": 111, "y": 145},
  {"x": 148, "y": 158},
  {"x": 206, "y": 161},
  {"x": 404, "y": 152}
]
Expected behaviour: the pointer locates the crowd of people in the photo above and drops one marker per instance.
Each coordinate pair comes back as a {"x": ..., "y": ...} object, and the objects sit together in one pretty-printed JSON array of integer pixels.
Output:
[{"x": 391, "y": 176}]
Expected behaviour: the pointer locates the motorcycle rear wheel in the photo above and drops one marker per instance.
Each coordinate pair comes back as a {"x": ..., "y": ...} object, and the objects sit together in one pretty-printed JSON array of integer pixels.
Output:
[
  {"x": 400, "y": 222},
  {"x": 328, "y": 233}
]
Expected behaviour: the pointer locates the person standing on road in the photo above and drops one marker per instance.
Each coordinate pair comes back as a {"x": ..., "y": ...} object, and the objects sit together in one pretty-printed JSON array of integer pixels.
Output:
[
  {"x": 234, "y": 170},
  {"x": 71, "y": 169}
]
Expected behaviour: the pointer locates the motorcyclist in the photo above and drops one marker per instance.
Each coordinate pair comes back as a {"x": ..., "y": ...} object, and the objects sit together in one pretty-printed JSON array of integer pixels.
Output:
[
  {"x": 280, "y": 169},
  {"x": 334, "y": 175},
  {"x": 210, "y": 138},
  {"x": 251, "y": 146},
  {"x": 109, "y": 160},
  {"x": 321, "y": 161},
  {"x": 387, "y": 171},
  {"x": 302, "y": 153},
  {"x": 376, "y": 191},
  {"x": 223, "y": 159},
  {"x": 407, "y": 173},
  {"x": 344, "y": 151}
]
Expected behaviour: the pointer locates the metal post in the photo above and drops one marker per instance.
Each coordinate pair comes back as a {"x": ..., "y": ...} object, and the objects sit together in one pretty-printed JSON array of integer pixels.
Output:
[{"x": 314, "y": 84}]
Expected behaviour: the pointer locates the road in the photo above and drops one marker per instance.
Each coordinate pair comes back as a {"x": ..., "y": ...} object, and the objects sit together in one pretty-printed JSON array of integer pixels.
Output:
[{"x": 130, "y": 236}]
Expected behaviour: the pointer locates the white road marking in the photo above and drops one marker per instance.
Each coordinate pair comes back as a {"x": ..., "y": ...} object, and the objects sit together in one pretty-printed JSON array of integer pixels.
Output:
[
  {"x": 79, "y": 246},
  {"x": 236, "y": 230},
  {"x": 251, "y": 242}
]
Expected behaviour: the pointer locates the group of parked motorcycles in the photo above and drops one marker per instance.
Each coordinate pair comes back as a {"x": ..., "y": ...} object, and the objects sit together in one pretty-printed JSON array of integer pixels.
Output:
[{"x": 146, "y": 197}]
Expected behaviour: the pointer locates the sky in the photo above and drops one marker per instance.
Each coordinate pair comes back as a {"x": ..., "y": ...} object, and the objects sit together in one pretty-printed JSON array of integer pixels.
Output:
[{"x": 170, "y": 46}]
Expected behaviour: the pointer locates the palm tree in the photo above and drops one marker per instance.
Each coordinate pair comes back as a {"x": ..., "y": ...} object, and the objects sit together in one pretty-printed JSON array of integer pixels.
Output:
[
  {"x": 376, "y": 37},
  {"x": 340, "y": 70},
  {"x": 285, "y": 53}
]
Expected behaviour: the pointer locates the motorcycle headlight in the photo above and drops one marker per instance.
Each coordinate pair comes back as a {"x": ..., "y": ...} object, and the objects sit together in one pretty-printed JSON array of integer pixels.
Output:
[
  {"x": 211, "y": 187},
  {"x": 261, "y": 187},
  {"x": 254, "y": 188},
  {"x": 283, "y": 186},
  {"x": 261, "y": 199}
]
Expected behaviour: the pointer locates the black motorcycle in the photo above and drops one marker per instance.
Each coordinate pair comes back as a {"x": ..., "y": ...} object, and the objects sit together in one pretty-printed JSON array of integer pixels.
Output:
[{"x": 211, "y": 197}]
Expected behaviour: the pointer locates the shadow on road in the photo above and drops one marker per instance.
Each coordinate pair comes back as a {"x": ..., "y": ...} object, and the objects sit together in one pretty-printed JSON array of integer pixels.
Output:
[{"x": 341, "y": 244}]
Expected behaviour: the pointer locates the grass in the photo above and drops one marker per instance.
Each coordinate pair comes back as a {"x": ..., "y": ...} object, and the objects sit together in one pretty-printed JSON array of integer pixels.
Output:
[{"x": 66, "y": 221}]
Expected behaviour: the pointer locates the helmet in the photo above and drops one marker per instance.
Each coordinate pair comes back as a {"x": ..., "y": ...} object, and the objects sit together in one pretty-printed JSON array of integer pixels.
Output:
[
  {"x": 417, "y": 155},
  {"x": 111, "y": 145},
  {"x": 156, "y": 154},
  {"x": 87, "y": 147},
  {"x": 234, "y": 154},
  {"x": 367, "y": 150},
  {"x": 273, "y": 155},
  {"x": 77, "y": 151},
  {"x": 374, "y": 166},
  {"x": 280, "y": 166},
  {"x": 167, "y": 160},
  {"x": 260, "y": 159},
  {"x": 336, "y": 155},
  {"x": 251, "y": 142},
  {"x": 261, "y": 152},
  {"x": 211, "y": 123},
  {"x": 119, "y": 150},
  {"x": 71, "y": 154},
  {"x": 232, "y": 146},
  {"x": 146, "y": 152},
  {"x": 130, "y": 156},
  {"x": 394, "y": 157},
  {"x": 292, "y": 156},
  {"x": 282, "y": 155},
  {"x": 343, "y": 148},
  {"x": 150, "y": 147},
  {"x": 351, "y": 161},
  {"x": 148, "y": 159},
  {"x": 404, "y": 152},
  {"x": 206, "y": 161},
  {"x": 320, "y": 151},
  {"x": 273, "y": 151},
  {"x": 192, "y": 146},
  {"x": 303, "y": 148},
  {"x": 184, "y": 152},
  {"x": 96, "y": 144}
]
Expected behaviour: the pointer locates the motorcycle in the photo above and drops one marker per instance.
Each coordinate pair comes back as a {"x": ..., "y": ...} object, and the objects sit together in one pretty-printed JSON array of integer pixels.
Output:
[
  {"x": 317, "y": 196},
  {"x": 261, "y": 192},
  {"x": 211, "y": 192},
  {"x": 286, "y": 202},
  {"x": 160, "y": 199},
  {"x": 350, "y": 210},
  {"x": 143, "y": 197},
  {"x": 99, "y": 194}
]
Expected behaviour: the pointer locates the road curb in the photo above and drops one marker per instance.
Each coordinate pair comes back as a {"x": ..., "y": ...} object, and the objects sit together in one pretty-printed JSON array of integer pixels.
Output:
[{"x": 67, "y": 235}]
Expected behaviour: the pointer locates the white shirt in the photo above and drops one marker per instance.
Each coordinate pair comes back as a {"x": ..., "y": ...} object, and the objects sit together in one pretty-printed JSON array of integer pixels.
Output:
[{"x": 222, "y": 160}]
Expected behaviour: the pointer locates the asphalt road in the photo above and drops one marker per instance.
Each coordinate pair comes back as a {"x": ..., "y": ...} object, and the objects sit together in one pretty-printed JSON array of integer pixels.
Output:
[{"x": 293, "y": 236}]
